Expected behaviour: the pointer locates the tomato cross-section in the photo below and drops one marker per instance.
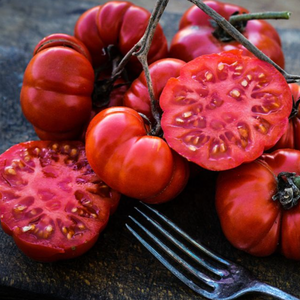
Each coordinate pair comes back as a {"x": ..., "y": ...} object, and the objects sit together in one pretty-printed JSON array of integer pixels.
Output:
[
  {"x": 225, "y": 109},
  {"x": 51, "y": 201}
]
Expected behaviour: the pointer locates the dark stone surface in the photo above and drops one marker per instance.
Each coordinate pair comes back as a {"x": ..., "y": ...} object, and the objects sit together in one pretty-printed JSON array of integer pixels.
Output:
[{"x": 117, "y": 267}]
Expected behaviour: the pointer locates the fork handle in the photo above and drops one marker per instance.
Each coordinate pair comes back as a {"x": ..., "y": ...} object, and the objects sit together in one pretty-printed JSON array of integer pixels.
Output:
[{"x": 272, "y": 291}]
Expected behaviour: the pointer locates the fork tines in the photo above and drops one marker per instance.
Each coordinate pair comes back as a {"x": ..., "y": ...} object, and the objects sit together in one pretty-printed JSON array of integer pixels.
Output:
[{"x": 192, "y": 263}]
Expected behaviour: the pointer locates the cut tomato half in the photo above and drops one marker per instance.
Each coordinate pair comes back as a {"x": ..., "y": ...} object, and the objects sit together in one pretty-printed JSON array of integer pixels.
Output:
[
  {"x": 225, "y": 109},
  {"x": 51, "y": 201}
]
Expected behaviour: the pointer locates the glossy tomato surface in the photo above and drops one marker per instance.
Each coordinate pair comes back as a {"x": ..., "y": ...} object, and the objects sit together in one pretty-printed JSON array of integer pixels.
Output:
[
  {"x": 225, "y": 109},
  {"x": 118, "y": 25},
  {"x": 137, "y": 96},
  {"x": 51, "y": 201},
  {"x": 251, "y": 220},
  {"x": 196, "y": 35},
  {"x": 57, "y": 87},
  {"x": 291, "y": 137},
  {"x": 136, "y": 164}
]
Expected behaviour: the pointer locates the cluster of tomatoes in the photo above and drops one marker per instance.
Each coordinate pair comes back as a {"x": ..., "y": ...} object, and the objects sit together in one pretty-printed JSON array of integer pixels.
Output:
[{"x": 220, "y": 108}]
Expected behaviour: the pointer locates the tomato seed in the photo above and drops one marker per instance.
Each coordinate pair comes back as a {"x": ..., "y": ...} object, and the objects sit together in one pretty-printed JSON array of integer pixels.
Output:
[
  {"x": 235, "y": 93},
  {"x": 187, "y": 114},
  {"x": 244, "y": 83},
  {"x": 192, "y": 148},
  {"x": 221, "y": 66},
  {"x": 179, "y": 120},
  {"x": 10, "y": 171}
]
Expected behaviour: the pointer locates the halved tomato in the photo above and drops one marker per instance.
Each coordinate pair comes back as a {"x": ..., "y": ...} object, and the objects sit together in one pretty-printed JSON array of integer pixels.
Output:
[
  {"x": 225, "y": 109},
  {"x": 51, "y": 201}
]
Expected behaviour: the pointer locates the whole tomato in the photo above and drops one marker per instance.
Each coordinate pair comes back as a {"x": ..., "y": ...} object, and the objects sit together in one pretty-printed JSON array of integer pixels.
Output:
[
  {"x": 137, "y": 96},
  {"x": 291, "y": 137},
  {"x": 257, "y": 204},
  {"x": 225, "y": 109},
  {"x": 51, "y": 201},
  {"x": 134, "y": 163},
  {"x": 112, "y": 29},
  {"x": 198, "y": 35},
  {"x": 57, "y": 88}
]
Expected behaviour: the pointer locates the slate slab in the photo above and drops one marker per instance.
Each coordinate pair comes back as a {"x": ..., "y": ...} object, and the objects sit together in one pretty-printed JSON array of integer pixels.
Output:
[{"x": 117, "y": 267}]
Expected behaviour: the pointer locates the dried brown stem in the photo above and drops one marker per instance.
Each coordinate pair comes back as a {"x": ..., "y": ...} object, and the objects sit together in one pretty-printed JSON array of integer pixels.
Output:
[
  {"x": 232, "y": 31},
  {"x": 141, "y": 50}
]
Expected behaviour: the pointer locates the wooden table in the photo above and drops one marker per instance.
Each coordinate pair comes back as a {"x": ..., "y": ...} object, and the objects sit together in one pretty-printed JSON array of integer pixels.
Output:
[{"x": 117, "y": 267}]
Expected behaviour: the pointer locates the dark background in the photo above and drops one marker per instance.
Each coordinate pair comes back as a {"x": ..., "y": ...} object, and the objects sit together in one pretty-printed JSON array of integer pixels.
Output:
[{"x": 117, "y": 267}]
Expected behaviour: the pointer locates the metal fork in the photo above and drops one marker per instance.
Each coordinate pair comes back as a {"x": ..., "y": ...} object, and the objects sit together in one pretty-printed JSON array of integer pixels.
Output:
[{"x": 213, "y": 278}]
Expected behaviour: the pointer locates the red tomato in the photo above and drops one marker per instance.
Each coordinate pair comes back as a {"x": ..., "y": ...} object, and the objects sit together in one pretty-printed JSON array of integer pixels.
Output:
[
  {"x": 118, "y": 25},
  {"x": 51, "y": 201},
  {"x": 57, "y": 88},
  {"x": 254, "y": 216},
  {"x": 195, "y": 35},
  {"x": 137, "y": 96},
  {"x": 291, "y": 137},
  {"x": 225, "y": 109},
  {"x": 134, "y": 163},
  {"x": 62, "y": 39}
]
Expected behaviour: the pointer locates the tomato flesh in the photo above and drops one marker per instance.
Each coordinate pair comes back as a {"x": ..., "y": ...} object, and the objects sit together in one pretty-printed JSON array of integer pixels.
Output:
[
  {"x": 225, "y": 109},
  {"x": 51, "y": 201}
]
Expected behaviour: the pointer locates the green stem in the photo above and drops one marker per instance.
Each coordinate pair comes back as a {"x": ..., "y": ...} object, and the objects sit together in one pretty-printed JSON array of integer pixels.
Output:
[{"x": 274, "y": 15}]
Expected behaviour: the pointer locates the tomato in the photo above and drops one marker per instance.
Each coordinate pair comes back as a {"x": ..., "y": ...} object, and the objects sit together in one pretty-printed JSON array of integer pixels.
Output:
[
  {"x": 225, "y": 109},
  {"x": 57, "y": 88},
  {"x": 258, "y": 205},
  {"x": 137, "y": 96},
  {"x": 136, "y": 164},
  {"x": 51, "y": 201},
  {"x": 118, "y": 26},
  {"x": 197, "y": 35},
  {"x": 291, "y": 137}
]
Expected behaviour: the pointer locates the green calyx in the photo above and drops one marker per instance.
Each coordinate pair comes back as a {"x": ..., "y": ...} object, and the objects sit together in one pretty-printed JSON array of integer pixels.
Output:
[{"x": 288, "y": 192}]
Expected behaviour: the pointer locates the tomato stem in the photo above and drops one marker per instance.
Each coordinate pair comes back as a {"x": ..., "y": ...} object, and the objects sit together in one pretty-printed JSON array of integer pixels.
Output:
[
  {"x": 232, "y": 31},
  {"x": 239, "y": 21},
  {"x": 288, "y": 185},
  {"x": 141, "y": 50},
  {"x": 142, "y": 54},
  {"x": 274, "y": 15},
  {"x": 295, "y": 109}
]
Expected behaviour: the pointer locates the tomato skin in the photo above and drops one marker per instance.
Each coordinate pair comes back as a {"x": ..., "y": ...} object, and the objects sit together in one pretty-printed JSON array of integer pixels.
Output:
[
  {"x": 134, "y": 163},
  {"x": 219, "y": 118},
  {"x": 51, "y": 202},
  {"x": 137, "y": 96},
  {"x": 62, "y": 39},
  {"x": 195, "y": 38},
  {"x": 251, "y": 220},
  {"x": 86, "y": 30},
  {"x": 291, "y": 137},
  {"x": 57, "y": 88},
  {"x": 120, "y": 24}
]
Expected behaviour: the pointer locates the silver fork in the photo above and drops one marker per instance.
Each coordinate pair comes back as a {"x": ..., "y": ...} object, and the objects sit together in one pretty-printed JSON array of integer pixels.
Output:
[{"x": 213, "y": 278}]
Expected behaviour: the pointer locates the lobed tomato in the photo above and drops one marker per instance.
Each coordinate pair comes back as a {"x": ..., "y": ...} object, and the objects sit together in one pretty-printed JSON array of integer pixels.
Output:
[
  {"x": 258, "y": 205},
  {"x": 225, "y": 109},
  {"x": 51, "y": 201},
  {"x": 198, "y": 35},
  {"x": 112, "y": 29},
  {"x": 57, "y": 87},
  {"x": 137, "y": 96},
  {"x": 291, "y": 137},
  {"x": 136, "y": 164}
]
